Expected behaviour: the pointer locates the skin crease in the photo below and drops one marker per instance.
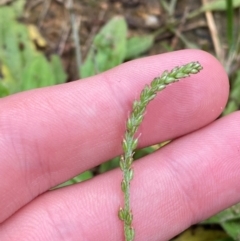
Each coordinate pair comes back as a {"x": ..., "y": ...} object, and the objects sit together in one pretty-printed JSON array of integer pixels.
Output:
[{"x": 51, "y": 134}]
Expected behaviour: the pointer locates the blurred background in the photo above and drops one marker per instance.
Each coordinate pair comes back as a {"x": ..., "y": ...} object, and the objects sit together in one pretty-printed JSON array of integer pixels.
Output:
[{"x": 49, "y": 42}]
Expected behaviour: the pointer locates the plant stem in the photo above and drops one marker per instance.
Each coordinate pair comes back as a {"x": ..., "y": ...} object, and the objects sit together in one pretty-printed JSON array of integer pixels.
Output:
[
  {"x": 130, "y": 142},
  {"x": 230, "y": 24}
]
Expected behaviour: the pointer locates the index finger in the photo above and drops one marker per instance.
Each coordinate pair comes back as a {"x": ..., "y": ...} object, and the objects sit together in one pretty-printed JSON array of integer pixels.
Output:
[{"x": 50, "y": 135}]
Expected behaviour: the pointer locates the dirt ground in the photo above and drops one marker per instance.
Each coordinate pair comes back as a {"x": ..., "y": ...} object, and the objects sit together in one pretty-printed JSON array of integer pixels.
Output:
[{"x": 142, "y": 16}]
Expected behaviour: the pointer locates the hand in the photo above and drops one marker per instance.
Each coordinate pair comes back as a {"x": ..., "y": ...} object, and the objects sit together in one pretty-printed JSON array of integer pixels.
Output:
[{"x": 49, "y": 135}]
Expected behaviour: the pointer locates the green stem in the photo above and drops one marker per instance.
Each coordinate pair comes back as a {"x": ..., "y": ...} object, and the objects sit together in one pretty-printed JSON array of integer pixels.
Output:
[{"x": 230, "y": 24}]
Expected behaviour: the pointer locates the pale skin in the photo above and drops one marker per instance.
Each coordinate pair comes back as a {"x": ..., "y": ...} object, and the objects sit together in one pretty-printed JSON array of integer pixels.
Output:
[{"x": 50, "y": 135}]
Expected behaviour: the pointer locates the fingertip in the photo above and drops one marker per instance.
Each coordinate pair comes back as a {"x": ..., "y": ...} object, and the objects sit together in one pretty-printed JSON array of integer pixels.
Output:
[{"x": 140, "y": 70}]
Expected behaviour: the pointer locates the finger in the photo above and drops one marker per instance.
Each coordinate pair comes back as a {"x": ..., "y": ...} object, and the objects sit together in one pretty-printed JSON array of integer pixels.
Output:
[
  {"x": 50, "y": 135},
  {"x": 185, "y": 182}
]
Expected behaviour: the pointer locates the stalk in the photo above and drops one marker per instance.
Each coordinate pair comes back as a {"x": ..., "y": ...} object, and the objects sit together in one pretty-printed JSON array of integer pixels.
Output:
[{"x": 130, "y": 142}]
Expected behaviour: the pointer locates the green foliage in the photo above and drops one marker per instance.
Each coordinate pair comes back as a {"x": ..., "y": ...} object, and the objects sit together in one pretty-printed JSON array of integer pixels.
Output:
[
  {"x": 109, "y": 165},
  {"x": 143, "y": 152},
  {"x": 230, "y": 23},
  {"x": 21, "y": 65},
  {"x": 234, "y": 98},
  {"x": 111, "y": 47},
  {"x": 59, "y": 73},
  {"x": 108, "y": 50},
  {"x": 229, "y": 220},
  {"x": 137, "y": 45},
  {"x": 203, "y": 233},
  {"x": 40, "y": 72},
  {"x": 18, "y": 7},
  {"x": 217, "y": 5},
  {"x": 79, "y": 178},
  {"x": 3, "y": 90}
]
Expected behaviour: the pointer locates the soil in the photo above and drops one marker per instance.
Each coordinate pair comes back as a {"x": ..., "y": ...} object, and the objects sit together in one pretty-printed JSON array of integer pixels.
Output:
[{"x": 142, "y": 16}]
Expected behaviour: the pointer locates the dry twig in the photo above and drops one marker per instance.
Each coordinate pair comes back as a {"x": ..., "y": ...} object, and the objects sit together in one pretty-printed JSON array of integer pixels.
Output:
[{"x": 214, "y": 34}]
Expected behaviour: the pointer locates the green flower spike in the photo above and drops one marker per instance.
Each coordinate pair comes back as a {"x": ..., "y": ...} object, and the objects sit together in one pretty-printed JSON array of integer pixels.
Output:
[{"x": 130, "y": 142}]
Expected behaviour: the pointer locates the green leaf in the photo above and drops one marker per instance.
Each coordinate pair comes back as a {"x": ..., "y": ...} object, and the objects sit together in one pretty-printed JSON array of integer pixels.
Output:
[
  {"x": 221, "y": 217},
  {"x": 219, "y": 5},
  {"x": 80, "y": 178},
  {"x": 3, "y": 90},
  {"x": 10, "y": 54},
  {"x": 200, "y": 233},
  {"x": 37, "y": 73},
  {"x": 143, "y": 152},
  {"x": 108, "y": 49},
  {"x": 18, "y": 7},
  {"x": 138, "y": 45},
  {"x": 235, "y": 93},
  {"x": 23, "y": 67},
  {"x": 57, "y": 68},
  {"x": 16, "y": 49},
  {"x": 7, "y": 79},
  {"x": 232, "y": 229},
  {"x": 83, "y": 177},
  {"x": 229, "y": 219},
  {"x": 6, "y": 14},
  {"x": 234, "y": 99},
  {"x": 107, "y": 166}
]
